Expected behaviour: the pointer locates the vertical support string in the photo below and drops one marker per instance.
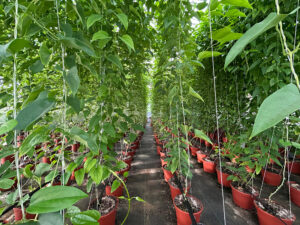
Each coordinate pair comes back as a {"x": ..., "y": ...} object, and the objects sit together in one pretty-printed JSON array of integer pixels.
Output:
[
  {"x": 216, "y": 111},
  {"x": 15, "y": 109}
]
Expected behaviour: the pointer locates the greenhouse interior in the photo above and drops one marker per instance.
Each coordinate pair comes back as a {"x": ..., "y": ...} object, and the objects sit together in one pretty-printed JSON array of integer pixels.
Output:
[{"x": 150, "y": 112}]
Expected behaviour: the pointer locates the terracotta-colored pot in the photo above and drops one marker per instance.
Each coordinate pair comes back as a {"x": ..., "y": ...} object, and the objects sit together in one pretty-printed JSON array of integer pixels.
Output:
[
  {"x": 266, "y": 218},
  {"x": 162, "y": 154},
  {"x": 110, "y": 218},
  {"x": 270, "y": 178},
  {"x": 226, "y": 183},
  {"x": 294, "y": 167},
  {"x": 295, "y": 194},
  {"x": 194, "y": 150},
  {"x": 176, "y": 191},
  {"x": 183, "y": 218},
  {"x": 18, "y": 214},
  {"x": 167, "y": 174},
  {"x": 158, "y": 149},
  {"x": 163, "y": 162},
  {"x": 9, "y": 158},
  {"x": 117, "y": 193},
  {"x": 46, "y": 160},
  {"x": 200, "y": 156},
  {"x": 209, "y": 166},
  {"x": 242, "y": 199}
]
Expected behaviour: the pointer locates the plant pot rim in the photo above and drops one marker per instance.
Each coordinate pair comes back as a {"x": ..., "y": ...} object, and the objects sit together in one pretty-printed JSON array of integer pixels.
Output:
[
  {"x": 198, "y": 200},
  {"x": 243, "y": 193}
]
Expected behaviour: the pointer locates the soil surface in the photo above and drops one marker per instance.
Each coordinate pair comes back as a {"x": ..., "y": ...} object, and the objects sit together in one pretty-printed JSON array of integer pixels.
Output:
[
  {"x": 182, "y": 180},
  {"x": 108, "y": 203},
  {"x": 274, "y": 209},
  {"x": 245, "y": 189},
  {"x": 194, "y": 203}
]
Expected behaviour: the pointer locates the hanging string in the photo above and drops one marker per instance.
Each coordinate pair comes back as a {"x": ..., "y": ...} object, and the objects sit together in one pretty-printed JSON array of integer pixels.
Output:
[
  {"x": 216, "y": 111},
  {"x": 15, "y": 110}
]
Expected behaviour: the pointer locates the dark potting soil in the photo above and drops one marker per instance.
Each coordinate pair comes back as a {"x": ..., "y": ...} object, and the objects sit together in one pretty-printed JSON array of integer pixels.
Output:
[
  {"x": 274, "y": 209},
  {"x": 296, "y": 186},
  {"x": 195, "y": 203},
  {"x": 245, "y": 188},
  {"x": 181, "y": 180},
  {"x": 108, "y": 203},
  {"x": 274, "y": 169}
]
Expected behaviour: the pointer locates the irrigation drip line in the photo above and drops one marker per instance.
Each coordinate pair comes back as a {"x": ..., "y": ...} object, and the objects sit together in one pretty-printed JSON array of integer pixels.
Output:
[{"x": 186, "y": 202}]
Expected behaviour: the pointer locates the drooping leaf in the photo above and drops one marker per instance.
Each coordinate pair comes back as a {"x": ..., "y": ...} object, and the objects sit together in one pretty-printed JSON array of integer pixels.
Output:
[
  {"x": 109, "y": 129},
  {"x": 8, "y": 126},
  {"x": 192, "y": 92},
  {"x": 84, "y": 138},
  {"x": 235, "y": 13},
  {"x": 124, "y": 19},
  {"x": 6, "y": 183},
  {"x": 79, "y": 176},
  {"x": 73, "y": 79},
  {"x": 208, "y": 54},
  {"x": 225, "y": 34},
  {"x": 45, "y": 54},
  {"x": 115, "y": 185},
  {"x": 272, "y": 20},
  {"x": 34, "y": 110},
  {"x": 276, "y": 107},
  {"x": 42, "y": 168},
  {"x": 93, "y": 19},
  {"x": 239, "y": 3},
  {"x": 89, "y": 217},
  {"x": 101, "y": 35},
  {"x": 74, "y": 102},
  {"x": 32, "y": 96},
  {"x": 85, "y": 46},
  {"x": 115, "y": 60},
  {"x": 18, "y": 44},
  {"x": 51, "y": 219},
  {"x": 202, "y": 135},
  {"x": 96, "y": 174},
  {"x": 54, "y": 198},
  {"x": 132, "y": 137},
  {"x": 36, "y": 67},
  {"x": 128, "y": 41}
]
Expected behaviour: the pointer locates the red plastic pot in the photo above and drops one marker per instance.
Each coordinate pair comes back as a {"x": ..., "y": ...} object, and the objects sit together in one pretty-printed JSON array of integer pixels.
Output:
[
  {"x": 207, "y": 144},
  {"x": 200, "y": 156},
  {"x": 176, "y": 191},
  {"x": 163, "y": 162},
  {"x": 121, "y": 172},
  {"x": 294, "y": 167},
  {"x": 194, "y": 150},
  {"x": 46, "y": 160},
  {"x": 270, "y": 178},
  {"x": 295, "y": 194},
  {"x": 128, "y": 162},
  {"x": 266, "y": 218},
  {"x": 241, "y": 199},
  {"x": 167, "y": 174},
  {"x": 18, "y": 214},
  {"x": 162, "y": 154},
  {"x": 131, "y": 153},
  {"x": 209, "y": 166},
  {"x": 134, "y": 147},
  {"x": 183, "y": 218},
  {"x": 109, "y": 218},
  {"x": 158, "y": 149},
  {"x": 74, "y": 147},
  {"x": 226, "y": 183},
  {"x": 10, "y": 158},
  {"x": 116, "y": 193}
]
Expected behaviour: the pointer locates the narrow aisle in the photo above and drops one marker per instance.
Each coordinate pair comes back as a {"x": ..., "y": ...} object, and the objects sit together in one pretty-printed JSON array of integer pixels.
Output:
[{"x": 146, "y": 181}]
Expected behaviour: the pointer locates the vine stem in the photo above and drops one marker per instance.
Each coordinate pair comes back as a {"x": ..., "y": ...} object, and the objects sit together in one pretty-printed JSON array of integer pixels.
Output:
[
  {"x": 15, "y": 109},
  {"x": 290, "y": 54}
]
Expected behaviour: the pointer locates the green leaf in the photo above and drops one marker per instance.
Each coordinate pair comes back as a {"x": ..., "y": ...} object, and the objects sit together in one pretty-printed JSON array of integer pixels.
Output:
[
  {"x": 124, "y": 19},
  {"x": 6, "y": 183},
  {"x": 18, "y": 44},
  {"x": 213, "y": 4},
  {"x": 139, "y": 199},
  {"x": 195, "y": 94},
  {"x": 272, "y": 20},
  {"x": 235, "y": 13},
  {"x": 73, "y": 79},
  {"x": 132, "y": 137},
  {"x": 137, "y": 127},
  {"x": 109, "y": 129},
  {"x": 276, "y": 107},
  {"x": 296, "y": 145},
  {"x": 115, "y": 185},
  {"x": 101, "y": 35},
  {"x": 51, "y": 219},
  {"x": 201, "y": 5},
  {"x": 42, "y": 168},
  {"x": 8, "y": 126},
  {"x": 45, "y": 54},
  {"x": 4, "y": 52},
  {"x": 83, "y": 45},
  {"x": 32, "y": 96},
  {"x": 239, "y": 3},
  {"x": 93, "y": 19},
  {"x": 128, "y": 41},
  {"x": 202, "y": 135},
  {"x": 84, "y": 138},
  {"x": 96, "y": 174},
  {"x": 79, "y": 176},
  {"x": 34, "y": 110},
  {"x": 37, "y": 136},
  {"x": 74, "y": 102},
  {"x": 36, "y": 67},
  {"x": 54, "y": 198},
  {"x": 225, "y": 34},
  {"x": 208, "y": 54},
  {"x": 89, "y": 217},
  {"x": 115, "y": 60}
]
